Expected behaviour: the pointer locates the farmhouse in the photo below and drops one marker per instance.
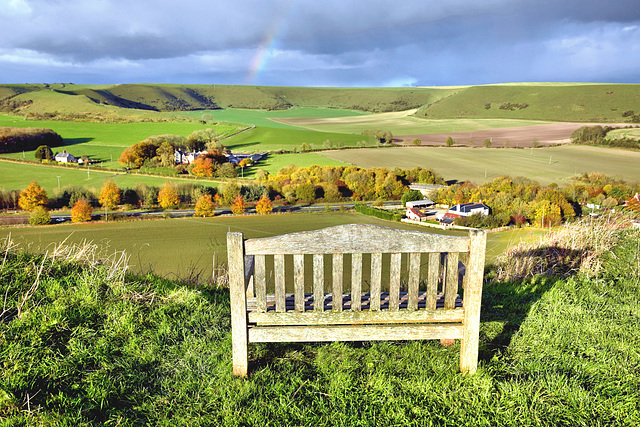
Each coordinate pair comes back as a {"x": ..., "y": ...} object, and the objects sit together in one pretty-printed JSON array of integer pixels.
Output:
[
  {"x": 465, "y": 209},
  {"x": 426, "y": 203},
  {"x": 65, "y": 157},
  {"x": 186, "y": 158},
  {"x": 415, "y": 214}
]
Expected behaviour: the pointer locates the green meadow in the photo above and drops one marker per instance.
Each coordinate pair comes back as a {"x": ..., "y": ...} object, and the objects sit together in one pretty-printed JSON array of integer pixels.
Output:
[
  {"x": 478, "y": 165},
  {"x": 180, "y": 247}
]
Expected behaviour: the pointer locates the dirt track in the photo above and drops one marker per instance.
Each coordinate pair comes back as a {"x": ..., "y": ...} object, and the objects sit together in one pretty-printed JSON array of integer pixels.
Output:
[{"x": 551, "y": 134}]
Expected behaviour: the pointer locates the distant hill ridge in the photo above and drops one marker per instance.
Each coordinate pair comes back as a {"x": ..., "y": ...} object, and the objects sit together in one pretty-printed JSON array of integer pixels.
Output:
[{"x": 533, "y": 101}]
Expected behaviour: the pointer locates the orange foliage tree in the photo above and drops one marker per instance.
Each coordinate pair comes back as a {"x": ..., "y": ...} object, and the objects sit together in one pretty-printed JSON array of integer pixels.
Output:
[
  {"x": 168, "y": 197},
  {"x": 264, "y": 205},
  {"x": 238, "y": 207},
  {"x": 81, "y": 211},
  {"x": 202, "y": 166},
  {"x": 32, "y": 197},
  {"x": 205, "y": 206},
  {"x": 109, "y": 195}
]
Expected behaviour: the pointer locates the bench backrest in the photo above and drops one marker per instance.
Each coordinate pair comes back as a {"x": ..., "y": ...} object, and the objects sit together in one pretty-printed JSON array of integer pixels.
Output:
[{"x": 424, "y": 286}]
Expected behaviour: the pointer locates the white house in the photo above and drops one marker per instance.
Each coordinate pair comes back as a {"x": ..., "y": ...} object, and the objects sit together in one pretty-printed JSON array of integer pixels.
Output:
[
  {"x": 415, "y": 214},
  {"x": 466, "y": 209},
  {"x": 65, "y": 157}
]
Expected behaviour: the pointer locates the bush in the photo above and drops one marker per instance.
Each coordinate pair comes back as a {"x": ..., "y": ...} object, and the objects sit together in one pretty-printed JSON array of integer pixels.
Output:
[
  {"x": 81, "y": 211},
  {"x": 378, "y": 213},
  {"x": 411, "y": 196},
  {"x": 39, "y": 216}
]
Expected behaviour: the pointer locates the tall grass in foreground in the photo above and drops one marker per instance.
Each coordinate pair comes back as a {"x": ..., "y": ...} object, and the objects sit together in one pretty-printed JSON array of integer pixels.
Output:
[{"x": 98, "y": 348}]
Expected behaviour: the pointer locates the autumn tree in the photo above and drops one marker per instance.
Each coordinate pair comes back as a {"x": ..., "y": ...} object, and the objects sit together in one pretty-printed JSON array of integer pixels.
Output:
[
  {"x": 39, "y": 216},
  {"x": 230, "y": 192},
  {"x": 238, "y": 207},
  {"x": 32, "y": 196},
  {"x": 109, "y": 195},
  {"x": 168, "y": 196},
  {"x": 202, "y": 166},
  {"x": 264, "y": 205},
  {"x": 205, "y": 206},
  {"x": 81, "y": 211}
]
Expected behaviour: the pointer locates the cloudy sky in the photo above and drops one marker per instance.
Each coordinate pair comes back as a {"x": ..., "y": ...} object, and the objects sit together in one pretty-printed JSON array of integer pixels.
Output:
[{"x": 319, "y": 42}]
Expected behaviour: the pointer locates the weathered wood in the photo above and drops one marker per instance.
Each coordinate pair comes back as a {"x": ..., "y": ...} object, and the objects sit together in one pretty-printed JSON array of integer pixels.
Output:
[
  {"x": 298, "y": 276},
  {"x": 376, "y": 280},
  {"x": 356, "y": 282},
  {"x": 432, "y": 280},
  {"x": 260, "y": 280},
  {"x": 357, "y": 317},
  {"x": 394, "y": 282},
  {"x": 356, "y": 238},
  {"x": 451, "y": 280},
  {"x": 318, "y": 282},
  {"x": 249, "y": 264},
  {"x": 472, "y": 301},
  {"x": 414, "y": 280},
  {"x": 237, "y": 294},
  {"x": 354, "y": 333},
  {"x": 338, "y": 269},
  {"x": 278, "y": 264}
]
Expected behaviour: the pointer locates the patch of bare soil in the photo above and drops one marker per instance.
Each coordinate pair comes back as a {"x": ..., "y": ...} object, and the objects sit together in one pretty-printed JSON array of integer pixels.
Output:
[{"x": 523, "y": 136}]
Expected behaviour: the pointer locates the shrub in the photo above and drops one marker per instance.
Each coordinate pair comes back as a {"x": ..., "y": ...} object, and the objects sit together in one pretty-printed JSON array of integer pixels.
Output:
[
  {"x": 39, "y": 216},
  {"x": 43, "y": 152},
  {"x": 264, "y": 205},
  {"x": 238, "y": 207},
  {"x": 32, "y": 197},
  {"x": 205, "y": 206}
]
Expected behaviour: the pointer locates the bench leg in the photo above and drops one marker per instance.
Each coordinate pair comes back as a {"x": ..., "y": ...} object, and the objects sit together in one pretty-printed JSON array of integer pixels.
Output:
[{"x": 240, "y": 353}]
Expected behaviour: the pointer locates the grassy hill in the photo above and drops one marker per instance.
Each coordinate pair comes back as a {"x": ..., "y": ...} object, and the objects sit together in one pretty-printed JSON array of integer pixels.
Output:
[
  {"x": 579, "y": 102},
  {"x": 85, "y": 344}
]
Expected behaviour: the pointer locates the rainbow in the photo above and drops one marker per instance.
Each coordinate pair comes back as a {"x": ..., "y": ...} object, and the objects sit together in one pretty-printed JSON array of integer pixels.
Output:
[{"x": 268, "y": 45}]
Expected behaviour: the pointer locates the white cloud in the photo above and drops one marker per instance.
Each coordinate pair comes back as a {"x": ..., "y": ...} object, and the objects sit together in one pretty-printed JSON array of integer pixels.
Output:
[{"x": 14, "y": 7}]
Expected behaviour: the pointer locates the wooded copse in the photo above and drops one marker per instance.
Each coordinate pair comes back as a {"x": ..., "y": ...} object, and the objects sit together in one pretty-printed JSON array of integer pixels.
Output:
[
  {"x": 597, "y": 135},
  {"x": 26, "y": 139}
]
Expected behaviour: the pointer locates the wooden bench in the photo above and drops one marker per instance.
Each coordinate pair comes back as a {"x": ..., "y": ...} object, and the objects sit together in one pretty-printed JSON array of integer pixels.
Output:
[{"x": 404, "y": 285}]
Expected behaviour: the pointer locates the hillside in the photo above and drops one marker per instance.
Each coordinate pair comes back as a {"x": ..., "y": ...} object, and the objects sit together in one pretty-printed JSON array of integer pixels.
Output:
[
  {"x": 571, "y": 103},
  {"x": 86, "y": 344}
]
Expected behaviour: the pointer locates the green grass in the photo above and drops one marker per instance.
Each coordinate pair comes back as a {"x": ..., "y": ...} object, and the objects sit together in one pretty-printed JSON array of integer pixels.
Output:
[
  {"x": 177, "y": 247},
  {"x": 263, "y": 117},
  {"x": 16, "y": 176},
  {"x": 624, "y": 133},
  {"x": 274, "y": 162},
  {"x": 88, "y": 348},
  {"x": 478, "y": 165},
  {"x": 271, "y": 139}
]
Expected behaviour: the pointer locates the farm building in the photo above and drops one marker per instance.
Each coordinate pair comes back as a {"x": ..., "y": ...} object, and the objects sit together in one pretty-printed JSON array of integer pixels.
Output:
[
  {"x": 465, "y": 209},
  {"x": 416, "y": 214},
  {"x": 238, "y": 157},
  {"x": 65, "y": 157},
  {"x": 426, "y": 189},
  {"x": 426, "y": 203}
]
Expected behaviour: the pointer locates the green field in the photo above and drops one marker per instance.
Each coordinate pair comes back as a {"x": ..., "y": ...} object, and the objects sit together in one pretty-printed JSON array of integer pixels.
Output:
[
  {"x": 264, "y": 117},
  {"x": 624, "y": 133},
  {"x": 273, "y": 163},
  {"x": 404, "y": 123},
  {"x": 177, "y": 247},
  {"x": 16, "y": 176},
  {"x": 478, "y": 165},
  {"x": 271, "y": 139}
]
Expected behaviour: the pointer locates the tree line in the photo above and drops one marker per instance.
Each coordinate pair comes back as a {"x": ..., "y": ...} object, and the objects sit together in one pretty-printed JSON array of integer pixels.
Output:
[{"x": 26, "y": 139}]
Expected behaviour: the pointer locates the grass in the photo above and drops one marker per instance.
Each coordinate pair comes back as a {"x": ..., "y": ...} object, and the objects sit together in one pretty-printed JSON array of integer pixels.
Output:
[
  {"x": 478, "y": 165},
  {"x": 185, "y": 246},
  {"x": 403, "y": 123},
  {"x": 16, "y": 176},
  {"x": 91, "y": 347},
  {"x": 264, "y": 117},
  {"x": 272, "y": 139},
  {"x": 274, "y": 162},
  {"x": 624, "y": 133}
]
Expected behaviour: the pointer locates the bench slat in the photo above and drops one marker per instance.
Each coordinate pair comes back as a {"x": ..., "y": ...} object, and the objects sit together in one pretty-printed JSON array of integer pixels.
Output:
[
  {"x": 354, "y": 333},
  {"x": 278, "y": 261},
  {"x": 356, "y": 281},
  {"x": 357, "y": 317},
  {"x": 260, "y": 283},
  {"x": 337, "y": 282},
  {"x": 318, "y": 282},
  {"x": 432, "y": 280},
  {"x": 394, "y": 282},
  {"x": 451, "y": 281},
  {"x": 376, "y": 280},
  {"x": 298, "y": 268},
  {"x": 414, "y": 280},
  {"x": 356, "y": 238}
]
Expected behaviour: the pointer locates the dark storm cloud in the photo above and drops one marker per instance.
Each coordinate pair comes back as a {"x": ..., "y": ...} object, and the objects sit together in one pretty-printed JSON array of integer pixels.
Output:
[{"x": 333, "y": 42}]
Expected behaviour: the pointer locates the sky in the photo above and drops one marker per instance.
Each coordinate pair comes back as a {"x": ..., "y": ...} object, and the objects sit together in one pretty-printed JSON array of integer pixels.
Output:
[{"x": 337, "y": 43}]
